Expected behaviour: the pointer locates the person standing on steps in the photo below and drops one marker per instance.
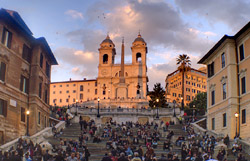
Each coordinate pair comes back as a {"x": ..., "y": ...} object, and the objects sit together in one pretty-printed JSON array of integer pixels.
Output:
[{"x": 80, "y": 122}]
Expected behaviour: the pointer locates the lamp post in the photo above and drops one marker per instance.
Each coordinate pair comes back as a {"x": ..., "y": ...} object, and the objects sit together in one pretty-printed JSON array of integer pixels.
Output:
[
  {"x": 98, "y": 112},
  {"x": 236, "y": 118},
  {"x": 68, "y": 100},
  {"x": 182, "y": 103},
  {"x": 76, "y": 107},
  {"x": 174, "y": 108},
  {"x": 193, "y": 112},
  {"x": 27, "y": 113},
  {"x": 157, "y": 115}
]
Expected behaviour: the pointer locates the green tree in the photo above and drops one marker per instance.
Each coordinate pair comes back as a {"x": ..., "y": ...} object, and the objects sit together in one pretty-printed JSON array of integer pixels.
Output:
[
  {"x": 199, "y": 103},
  {"x": 157, "y": 93},
  {"x": 184, "y": 65}
]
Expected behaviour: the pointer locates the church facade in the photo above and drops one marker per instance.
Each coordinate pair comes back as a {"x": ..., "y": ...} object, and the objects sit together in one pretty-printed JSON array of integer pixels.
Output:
[{"x": 117, "y": 85}]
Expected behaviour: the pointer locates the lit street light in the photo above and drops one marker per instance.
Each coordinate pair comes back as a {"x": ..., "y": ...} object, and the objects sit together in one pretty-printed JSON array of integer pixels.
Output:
[
  {"x": 236, "y": 117},
  {"x": 27, "y": 113},
  {"x": 157, "y": 116},
  {"x": 98, "y": 112}
]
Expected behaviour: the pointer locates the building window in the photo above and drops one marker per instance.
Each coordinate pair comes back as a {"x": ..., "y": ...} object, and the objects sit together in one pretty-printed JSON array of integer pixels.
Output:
[
  {"x": 96, "y": 84},
  {"x": 67, "y": 91},
  {"x": 39, "y": 118},
  {"x": 74, "y": 85},
  {"x": 210, "y": 69},
  {"x": 67, "y": 85},
  {"x": 47, "y": 69},
  {"x": 81, "y": 88},
  {"x": 212, "y": 97},
  {"x": 26, "y": 53},
  {"x": 40, "y": 90},
  {"x": 188, "y": 98},
  {"x": 223, "y": 63},
  {"x": 24, "y": 84},
  {"x": 243, "y": 118},
  {"x": 224, "y": 90},
  {"x": 2, "y": 71},
  {"x": 88, "y": 90},
  {"x": 54, "y": 92},
  {"x": 138, "y": 57},
  {"x": 105, "y": 59},
  {"x": 67, "y": 100},
  {"x": 103, "y": 92},
  {"x": 213, "y": 123},
  {"x": 243, "y": 85},
  {"x": 224, "y": 120},
  {"x": 242, "y": 55},
  {"x": 7, "y": 38},
  {"x": 95, "y": 91},
  {"x": 22, "y": 114},
  {"x": 60, "y": 85},
  {"x": 3, "y": 107},
  {"x": 60, "y": 100},
  {"x": 45, "y": 121},
  {"x": 41, "y": 60},
  {"x": 74, "y": 91},
  {"x": 60, "y": 92},
  {"x": 81, "y": 96},
  {"x": 54, "y": 86},
  {"x": 74, "y": 100}
]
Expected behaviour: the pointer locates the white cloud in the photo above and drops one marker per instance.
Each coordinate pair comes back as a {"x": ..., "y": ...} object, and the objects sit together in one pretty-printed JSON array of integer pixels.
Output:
[{"x": 74, "y": 14}]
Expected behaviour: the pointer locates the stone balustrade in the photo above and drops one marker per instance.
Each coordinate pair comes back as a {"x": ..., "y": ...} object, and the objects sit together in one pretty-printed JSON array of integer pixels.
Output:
[
  {"x": 125, "y": 111},
  {"x": 36, "y": 138}
]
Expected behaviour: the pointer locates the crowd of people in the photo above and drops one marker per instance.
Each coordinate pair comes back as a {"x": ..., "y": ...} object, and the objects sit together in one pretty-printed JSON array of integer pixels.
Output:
[{"x": 128, "y": 142}]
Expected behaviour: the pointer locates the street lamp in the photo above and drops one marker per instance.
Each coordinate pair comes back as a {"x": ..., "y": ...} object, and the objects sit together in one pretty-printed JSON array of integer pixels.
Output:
[
  {"x": 27, "y": 113},
  {"x": 182, "y": 103},
  {"x": 68, "y": 101},
  {"x": 236, "y": 117},
  {"x": 98, "y": 112},
  {"x": 76, "y": 107},
  {"x": 157, "y": 116},
  {"x": 193, "y": 112},
  {"x": 174, "y": 108}
]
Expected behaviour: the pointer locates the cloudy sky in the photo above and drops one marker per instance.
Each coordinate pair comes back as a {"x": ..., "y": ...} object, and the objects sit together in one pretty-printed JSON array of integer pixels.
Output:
[{"x": 74, "y": 30}]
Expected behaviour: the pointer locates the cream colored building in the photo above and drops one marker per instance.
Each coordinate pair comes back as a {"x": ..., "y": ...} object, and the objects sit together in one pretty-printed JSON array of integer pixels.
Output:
[
  {"x": 123, "y": 85},
  {"x": 72, "y": 91},
  {"x": 195, "y": 81},
  {"x": 228, "y": 84}
]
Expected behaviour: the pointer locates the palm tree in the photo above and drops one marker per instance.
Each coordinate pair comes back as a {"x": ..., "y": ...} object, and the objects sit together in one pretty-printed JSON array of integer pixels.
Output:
[{"x": 184, "y": 65}]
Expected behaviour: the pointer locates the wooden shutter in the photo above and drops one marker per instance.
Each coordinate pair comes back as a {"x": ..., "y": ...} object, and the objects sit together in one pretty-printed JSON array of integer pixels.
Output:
[
  {"x": 2, "y": 71},
  {"x": 9, "y": 40},
  {"x": 209, "y": 70},
  {"x": 5, "y": 108},
  {"x": 27, "y": 86},
  {"x": 21, "y": 83}
]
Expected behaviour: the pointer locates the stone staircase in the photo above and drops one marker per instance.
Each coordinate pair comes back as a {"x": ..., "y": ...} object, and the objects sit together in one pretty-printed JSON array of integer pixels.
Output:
[{"x": 97, "y": 151}]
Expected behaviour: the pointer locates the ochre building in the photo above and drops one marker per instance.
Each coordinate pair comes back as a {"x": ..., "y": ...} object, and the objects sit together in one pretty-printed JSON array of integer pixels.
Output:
[
  {"x": 25, "y": 65},
  {"x": 228, "y": 81},
  {"x": 195, "y": 81},
  {"x": 117, "y": 85}
]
